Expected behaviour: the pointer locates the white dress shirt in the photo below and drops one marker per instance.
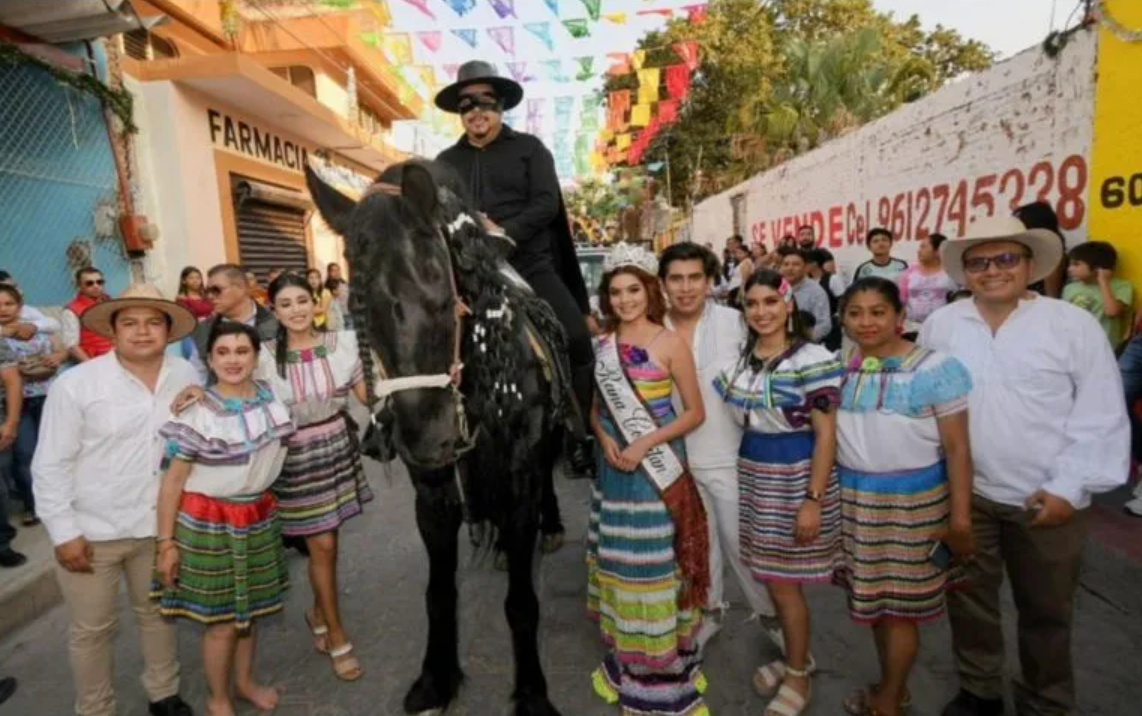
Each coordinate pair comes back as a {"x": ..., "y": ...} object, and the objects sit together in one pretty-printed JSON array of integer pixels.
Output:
[
  {"x": 96, "y": 472},
  {"x": 719, "y": 338},
  {"x": 69, "y": 333},
  {"x": 43, "y": 322},
  {"x": 1046, "y": 405}
]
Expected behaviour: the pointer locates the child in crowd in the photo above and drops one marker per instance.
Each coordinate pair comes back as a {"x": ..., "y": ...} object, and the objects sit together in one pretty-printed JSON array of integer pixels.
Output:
[
  {"x": 898, "y": 505},
  {"x": 882, "y": 263},
  {"x": 924, "y": 286},
  {"x": 1093, "y": 287},
  {"x": 784, "y": 391}
]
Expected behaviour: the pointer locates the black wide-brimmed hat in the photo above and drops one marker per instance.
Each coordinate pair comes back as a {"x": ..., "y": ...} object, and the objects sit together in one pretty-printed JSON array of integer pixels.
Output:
[{"x": 479, "y": 72}]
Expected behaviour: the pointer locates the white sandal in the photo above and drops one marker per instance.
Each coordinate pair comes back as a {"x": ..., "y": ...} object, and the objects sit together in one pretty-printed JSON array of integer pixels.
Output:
[
  {"x": 320, "y": 634},
  {"x": 788, "y": 702},
  {"x": 767, "y": 679}
]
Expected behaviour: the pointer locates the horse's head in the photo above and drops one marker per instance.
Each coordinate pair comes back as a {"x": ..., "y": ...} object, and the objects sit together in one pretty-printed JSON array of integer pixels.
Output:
[{"x": 404, "y": 298}]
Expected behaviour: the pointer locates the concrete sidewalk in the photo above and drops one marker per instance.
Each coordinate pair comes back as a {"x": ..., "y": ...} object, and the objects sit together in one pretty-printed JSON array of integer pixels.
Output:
[
  {"x": 29, "y": 590},
  {"x": 383, "y": 577}
]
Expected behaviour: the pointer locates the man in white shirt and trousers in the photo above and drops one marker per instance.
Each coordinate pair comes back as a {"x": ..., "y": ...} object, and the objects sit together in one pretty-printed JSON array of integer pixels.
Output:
[
  {"x": 1048, "y": 430},
  {"x": 96, "y": 480},
  {"x": 716, "y": 335}
]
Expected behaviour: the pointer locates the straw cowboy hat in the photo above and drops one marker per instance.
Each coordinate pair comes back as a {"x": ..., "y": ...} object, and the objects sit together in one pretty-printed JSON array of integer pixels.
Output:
[
  {"x": 1045, "y": 245},
  {"x": 139, "y": 295},
  {"x": 478, "y": 72}
]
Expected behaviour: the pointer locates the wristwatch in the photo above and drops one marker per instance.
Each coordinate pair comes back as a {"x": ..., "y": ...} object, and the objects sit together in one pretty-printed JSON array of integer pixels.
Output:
[{"x": 814, "y": 495}]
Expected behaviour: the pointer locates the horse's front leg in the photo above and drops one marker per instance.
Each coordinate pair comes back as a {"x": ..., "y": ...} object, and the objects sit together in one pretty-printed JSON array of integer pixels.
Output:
[
  {"x": 438, "y": 519},
  {"x": 522, "y": 611}
]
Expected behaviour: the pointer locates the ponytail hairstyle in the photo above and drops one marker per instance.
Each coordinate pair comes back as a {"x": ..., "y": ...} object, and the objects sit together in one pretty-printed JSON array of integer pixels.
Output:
[
  {"x": 794, "y": 326},
  {"x": 281, "y": 340}
]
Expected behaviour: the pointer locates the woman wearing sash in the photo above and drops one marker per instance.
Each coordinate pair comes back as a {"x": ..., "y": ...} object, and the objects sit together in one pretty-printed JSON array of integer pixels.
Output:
[
  {"x": 647, "y": 547},
  {"x": 785, "y": 392}
]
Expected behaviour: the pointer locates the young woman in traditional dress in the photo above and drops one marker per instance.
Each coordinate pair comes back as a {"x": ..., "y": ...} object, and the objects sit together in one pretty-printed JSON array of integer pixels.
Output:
[
  {"x": 906, "y": 484},
  {"x": 323, "y": 482},
  {"x": 647, "y": 544},
  {"x": 785, "y": 391},
  {"x": 220, "y": 560}
]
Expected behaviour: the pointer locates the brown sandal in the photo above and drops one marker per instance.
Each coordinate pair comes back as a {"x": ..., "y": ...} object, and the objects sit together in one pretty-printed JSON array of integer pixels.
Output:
[
  {"x": 856, "y": 703},
  {"x": 345, "y": 664}
]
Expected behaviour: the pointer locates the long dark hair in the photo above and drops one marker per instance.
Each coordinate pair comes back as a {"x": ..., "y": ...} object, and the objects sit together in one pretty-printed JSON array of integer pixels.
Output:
[
  {"x": 187, "y": 271},
  {"x": 281, "y": 340},
  {"x": 655, "y": 303},
  {"x": 221, "y": 327},
  {"x": 794, "y": 329}
]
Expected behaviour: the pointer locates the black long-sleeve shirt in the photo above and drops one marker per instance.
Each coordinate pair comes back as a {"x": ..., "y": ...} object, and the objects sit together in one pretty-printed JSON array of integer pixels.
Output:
[{"x": 513, "y": 181}]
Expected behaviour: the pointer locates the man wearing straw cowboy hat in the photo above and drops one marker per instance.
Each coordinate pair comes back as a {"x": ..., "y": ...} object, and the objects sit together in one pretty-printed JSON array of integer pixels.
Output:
[
  {"x": 511, "y": 178},
  {"x": 96, "y": 480},
  {"x": 1048, "y": 430}
]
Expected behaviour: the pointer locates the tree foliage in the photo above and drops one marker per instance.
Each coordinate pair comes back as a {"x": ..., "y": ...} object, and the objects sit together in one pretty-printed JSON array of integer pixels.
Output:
[{"x": 780, "y": 78}]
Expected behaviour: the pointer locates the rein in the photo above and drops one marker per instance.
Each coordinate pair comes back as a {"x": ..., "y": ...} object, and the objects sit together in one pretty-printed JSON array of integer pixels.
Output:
[{"x": 386, "y": 387}]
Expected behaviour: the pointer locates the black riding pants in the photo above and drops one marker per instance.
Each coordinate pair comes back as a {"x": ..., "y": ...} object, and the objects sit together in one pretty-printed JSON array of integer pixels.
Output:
[{"x": 581, "y": 353}]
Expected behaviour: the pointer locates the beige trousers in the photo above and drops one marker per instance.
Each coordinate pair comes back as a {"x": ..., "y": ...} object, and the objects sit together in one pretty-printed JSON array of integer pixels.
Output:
[{"x": 93, "y": 600}]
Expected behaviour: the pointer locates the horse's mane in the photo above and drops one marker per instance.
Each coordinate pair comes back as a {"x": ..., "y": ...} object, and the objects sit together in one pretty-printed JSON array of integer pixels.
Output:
[{"x": 494, "y": 352}]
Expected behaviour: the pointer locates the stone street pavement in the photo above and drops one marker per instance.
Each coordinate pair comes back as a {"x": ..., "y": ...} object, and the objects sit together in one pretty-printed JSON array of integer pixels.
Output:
[{"x": 384, "y": 575}]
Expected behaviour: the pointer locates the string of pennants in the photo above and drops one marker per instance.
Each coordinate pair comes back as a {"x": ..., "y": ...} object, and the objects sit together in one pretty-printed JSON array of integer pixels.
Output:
[{"x": 506, "y": 8}]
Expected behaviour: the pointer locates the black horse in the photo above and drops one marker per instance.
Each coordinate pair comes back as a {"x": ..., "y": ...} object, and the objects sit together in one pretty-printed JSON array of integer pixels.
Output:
[{"x": 427, "y": 296}]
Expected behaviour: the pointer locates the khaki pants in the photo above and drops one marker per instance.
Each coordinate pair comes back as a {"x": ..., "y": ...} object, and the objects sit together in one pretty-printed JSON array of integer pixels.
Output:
[
  {"x": 1043, "y": 565},
  {"x": 93, "y": 601}
]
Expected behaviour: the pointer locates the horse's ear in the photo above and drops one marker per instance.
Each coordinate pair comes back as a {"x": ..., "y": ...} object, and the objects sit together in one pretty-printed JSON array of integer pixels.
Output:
[
  {"x": 335, "y": 207},
  {"x": 419, "y": 190}
]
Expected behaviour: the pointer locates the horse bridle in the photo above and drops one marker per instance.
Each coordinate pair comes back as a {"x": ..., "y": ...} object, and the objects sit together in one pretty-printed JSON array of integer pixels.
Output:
[{"x": 385, "y": 388}]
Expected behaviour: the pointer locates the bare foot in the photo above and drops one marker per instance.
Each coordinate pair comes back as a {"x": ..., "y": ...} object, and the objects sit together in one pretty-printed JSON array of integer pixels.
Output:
[
  {"x": 219, "y": 707},
  {"x": 264, "y": 698}
]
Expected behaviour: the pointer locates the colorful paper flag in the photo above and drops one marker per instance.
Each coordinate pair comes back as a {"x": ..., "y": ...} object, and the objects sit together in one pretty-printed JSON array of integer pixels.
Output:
[
  {"x": 553, "y": 5},
  {"x": 648, "y": 85},
  {"x": 555, "y": 70},
  {"x": 427, "y": 75},
  {"x": 468, "y": 35},
  {"x": 381, "y": 13},
  {"x": 422, "y": 5},
  {"x": 688, "y": 51},
  {"x": 504, "y": 37},
  {"x": 503, "y": 8},
  {"x": 623, "y": 141},
  {"x": 618, "y": 18},
  {"x": 677, "y": 81},
  {"x": 398, "y": 47},
  {"x": 586, "y": 68},
  {"x": 668, "y": 111},
  {"x": 461, "y": 7},
  {"x": 638, "y": 59},
  {"x": 451, "y": 69},
  {"x": 640, "y": 115},
  {"x": 696, "y": 13},
  {"x": 535, "y": 107},
  {"x": 564, "y": 106},
  {"x": 616, "y": 119},
  {"x": 664, "y": 12},
  {"x": 619, "y": 99},
  {"x": 620, "y": 63},
  {"x": 589, "y": 119},
  {"x": 541, "y": 30},
  {"x": 578, "y": 28},
  {"x": 431, "y": 40},
  {"x": 519, "y": 73},
  {"x": 593, "y": 8}
]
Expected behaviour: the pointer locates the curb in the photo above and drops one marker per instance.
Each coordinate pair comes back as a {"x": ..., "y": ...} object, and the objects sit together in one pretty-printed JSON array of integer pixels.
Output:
[{"x": 36, "y": 593}]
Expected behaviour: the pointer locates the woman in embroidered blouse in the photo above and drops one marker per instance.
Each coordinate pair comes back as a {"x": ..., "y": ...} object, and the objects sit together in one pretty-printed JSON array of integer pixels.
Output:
[
  {"x": 646, "y": 549},
  {"x": 785, "y": 391},
  {"x": 220, "y": 560},
  {"x": 906, "y": 482},
  {"x": 323, "y": 481}
]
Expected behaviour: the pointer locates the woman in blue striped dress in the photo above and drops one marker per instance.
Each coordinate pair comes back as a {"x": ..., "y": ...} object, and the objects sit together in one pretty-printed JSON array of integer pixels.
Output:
[{"x": 785, "y": 391}]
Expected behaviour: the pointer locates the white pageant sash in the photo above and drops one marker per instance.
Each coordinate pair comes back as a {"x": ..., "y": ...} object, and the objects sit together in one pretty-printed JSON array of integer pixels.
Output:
[{"x": 631, "y": 416}]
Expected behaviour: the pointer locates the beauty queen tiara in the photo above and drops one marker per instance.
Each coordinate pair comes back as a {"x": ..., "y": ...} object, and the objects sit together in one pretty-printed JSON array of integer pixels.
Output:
[{"x": 624, "y": 254}]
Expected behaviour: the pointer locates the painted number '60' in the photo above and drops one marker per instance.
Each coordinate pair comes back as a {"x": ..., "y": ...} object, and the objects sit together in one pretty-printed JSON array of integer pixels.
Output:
[{"x": 1117, "y": 191}]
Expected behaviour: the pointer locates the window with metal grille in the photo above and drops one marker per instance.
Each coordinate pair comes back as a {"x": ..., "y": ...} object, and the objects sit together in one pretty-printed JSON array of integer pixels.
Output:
[
  {"x": 299, "y": 76},
  {"x": 271, "y": 226},
  {"x": 143, "y": 45}
]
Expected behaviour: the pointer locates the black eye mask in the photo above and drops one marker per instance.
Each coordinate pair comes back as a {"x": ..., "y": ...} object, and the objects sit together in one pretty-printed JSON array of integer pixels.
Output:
[{"x": 486, "y": 102}]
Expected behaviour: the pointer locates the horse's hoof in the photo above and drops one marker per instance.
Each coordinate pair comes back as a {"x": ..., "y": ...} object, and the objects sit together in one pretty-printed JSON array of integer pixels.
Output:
[
  {"x": 427, "y": 697},
  {"x": 535, "y": 706}
]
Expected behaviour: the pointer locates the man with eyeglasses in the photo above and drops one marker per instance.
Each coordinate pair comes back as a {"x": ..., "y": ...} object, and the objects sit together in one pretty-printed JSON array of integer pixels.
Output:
[
  {"x": 511, "y": 178},
  {"x": 229, "y": 292},
  {"x": 83, "y": 345},
  {"x": 1048, "y": 430}
]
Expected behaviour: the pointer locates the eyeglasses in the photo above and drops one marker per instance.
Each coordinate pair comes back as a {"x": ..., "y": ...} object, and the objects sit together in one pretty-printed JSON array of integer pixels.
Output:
[
  {"x": 1005, "y": 261},
  {"x": 93, "y": 282},
  {"x": 472, "y": 102},
  {"x": 214, "y": 290}
]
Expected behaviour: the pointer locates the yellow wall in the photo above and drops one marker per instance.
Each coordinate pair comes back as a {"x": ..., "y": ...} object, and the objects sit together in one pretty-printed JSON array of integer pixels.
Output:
[{"x": 1116, "y": 161}]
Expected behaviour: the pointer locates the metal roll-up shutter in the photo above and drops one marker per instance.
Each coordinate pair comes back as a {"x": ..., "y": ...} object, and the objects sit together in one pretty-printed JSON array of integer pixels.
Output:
[{"x": 271, "y": 227}]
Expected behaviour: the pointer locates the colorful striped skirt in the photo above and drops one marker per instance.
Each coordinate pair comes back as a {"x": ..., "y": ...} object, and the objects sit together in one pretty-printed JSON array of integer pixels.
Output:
[
  {"x": 633, "y": 590},
  {"x": 323, "y": 481},
  {"x": 889, "y": 519},
  {"x": 232, "y": 567},
  {"x": 773, "y": 475}
]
